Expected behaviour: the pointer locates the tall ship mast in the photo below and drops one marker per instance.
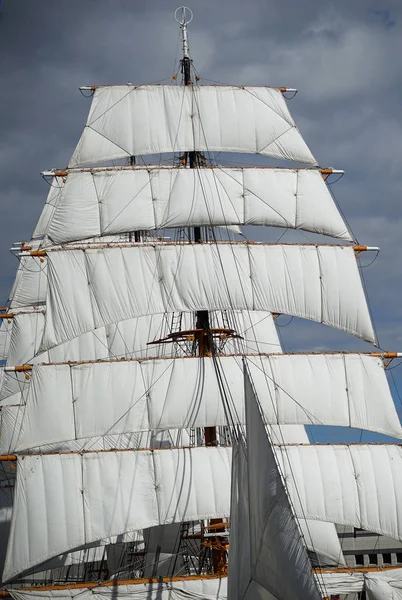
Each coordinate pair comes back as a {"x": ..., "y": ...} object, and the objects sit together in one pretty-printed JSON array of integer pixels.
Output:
[{"x": 152, "y": 435}]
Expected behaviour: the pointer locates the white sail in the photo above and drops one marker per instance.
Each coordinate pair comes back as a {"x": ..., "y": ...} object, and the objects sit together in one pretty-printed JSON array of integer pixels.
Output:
[
  {"x": 342, "y": 583},
  {"x": 90, "y": 288},
  {"x": 384, "y": 586},
  {"x": 137, "y": 489},
  {"x": 6, "y": 327},
  {"x": 319, "y": 537},
  {"x": 322, "y": 539},
  {"x": 52, "y": 200},
  {"x": 128, "y": 120},
  {"x": 129, "y": 339},
  {"x": 6, "y": 503},
  {"x": 349, "y": 485},
  {"x": 104, "y": 202},
  {"x": 334, "y": 389},
  {"x": 30, "y": 283},
  {"x": 186, "y": 589},
  {"x": 267, "y": 557}
]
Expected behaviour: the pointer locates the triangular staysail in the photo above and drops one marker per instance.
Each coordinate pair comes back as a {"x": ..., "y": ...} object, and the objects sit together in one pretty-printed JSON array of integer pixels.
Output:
[{"x": 267, "y": 557}]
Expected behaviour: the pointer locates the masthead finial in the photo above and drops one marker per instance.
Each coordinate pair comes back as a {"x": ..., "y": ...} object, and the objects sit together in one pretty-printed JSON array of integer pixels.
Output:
[{"x": 184, "y": 16}]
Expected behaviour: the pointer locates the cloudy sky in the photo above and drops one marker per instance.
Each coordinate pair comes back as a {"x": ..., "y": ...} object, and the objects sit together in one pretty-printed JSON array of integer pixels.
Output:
[{"x": 343, "y": 56}]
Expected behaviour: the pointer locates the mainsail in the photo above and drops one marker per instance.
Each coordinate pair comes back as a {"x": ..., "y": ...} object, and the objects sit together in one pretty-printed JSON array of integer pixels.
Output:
[{"x": 134, "y": 319}]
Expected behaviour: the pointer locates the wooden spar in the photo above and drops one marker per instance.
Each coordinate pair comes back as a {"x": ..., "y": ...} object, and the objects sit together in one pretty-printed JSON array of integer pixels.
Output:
[
  {"x": 28, "y": 367},
  {"x": 92, "y": 88},
  {"x": 97, "y": 246},
  {"x": 113, "y": 583},
  {"x": 65, "y": 173},
  {"x": 167, "y": 580},
  {"x": 356, "y": 569},
  {"x": 14, "y": 457}
]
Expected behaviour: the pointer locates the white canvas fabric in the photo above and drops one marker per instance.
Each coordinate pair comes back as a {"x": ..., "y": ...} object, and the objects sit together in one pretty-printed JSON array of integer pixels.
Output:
[
  {"x": 198, "y": 589},
  {"x": 266, "y": 549},
  {"x": 129, "y": 338},
  {"x": 25, "y": 332},
  {"x": 320, "y": 537},
  {"x": 6, "y": 503},
  {"x": 91, "y": 288},
  {"x": 378, "y": 586},
  {"x": 384, "y": 586},
  {"x": 179, "y": 393},
  {"x": 30, "y": 283},
  {"x": 126, "y": 339},
  {"x": 65, "y": 501},
  {"x": 104, "y": 202},
  {"x": 46, "y": 216},
  {"x": 5, "y": 337},
  {"x": 350, "y": 485},
  {"x": 98, "y": 495},
  {"x": 128, "y": 120},
  {"x": 341, "y": 583}
]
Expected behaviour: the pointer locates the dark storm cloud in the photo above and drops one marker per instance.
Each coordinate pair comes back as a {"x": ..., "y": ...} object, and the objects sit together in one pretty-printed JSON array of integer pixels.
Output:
[{"x": 343, "y": 56}]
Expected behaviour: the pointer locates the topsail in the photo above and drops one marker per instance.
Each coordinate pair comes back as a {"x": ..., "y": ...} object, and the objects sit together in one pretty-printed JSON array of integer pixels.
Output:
[{"x": 127, "y": 120}]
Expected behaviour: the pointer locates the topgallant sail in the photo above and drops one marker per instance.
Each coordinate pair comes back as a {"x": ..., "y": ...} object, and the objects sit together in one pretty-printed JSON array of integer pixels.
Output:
[{"x": 139, "y": 349}]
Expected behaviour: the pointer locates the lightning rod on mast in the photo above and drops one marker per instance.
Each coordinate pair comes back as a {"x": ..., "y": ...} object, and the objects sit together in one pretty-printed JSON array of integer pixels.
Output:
[{"x": 184, "y": 16}]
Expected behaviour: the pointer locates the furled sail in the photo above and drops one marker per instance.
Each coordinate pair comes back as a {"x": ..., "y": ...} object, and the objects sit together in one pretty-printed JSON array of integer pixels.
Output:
[
  {"x": 109, "y": 201},
  {"x": 177, "y": 393},
  {"x": 191, "y": 589},
  {"x": 129, "y": 120},
  {"x": 384, "y": 586},
  {"x": 267, "y": 557},
  {"x": 90, "y": 288}
]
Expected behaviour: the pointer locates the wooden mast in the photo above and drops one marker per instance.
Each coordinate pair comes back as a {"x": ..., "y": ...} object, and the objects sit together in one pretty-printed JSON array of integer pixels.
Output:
[{"x": 205, "y": 339}]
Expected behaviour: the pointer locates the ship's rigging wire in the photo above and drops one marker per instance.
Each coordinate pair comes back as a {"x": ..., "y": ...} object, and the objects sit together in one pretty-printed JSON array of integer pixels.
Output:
[
  {"x": 226, "y": 283},
  {"x": 377, "y": 252},
  {"x": 286, "y": 324},
  {"x": 394, "y": 367},
  {"x": 218, "y": 366}
]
